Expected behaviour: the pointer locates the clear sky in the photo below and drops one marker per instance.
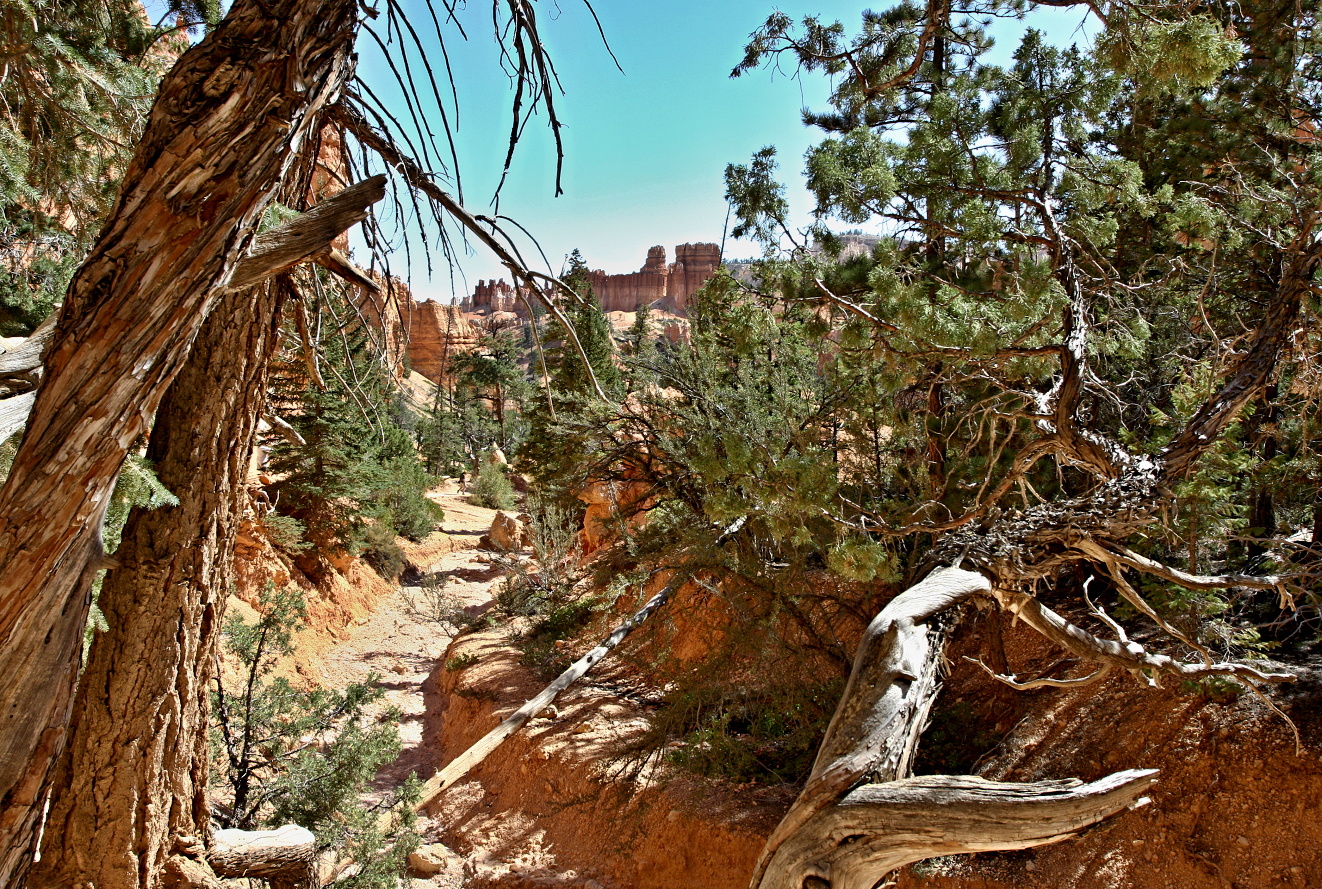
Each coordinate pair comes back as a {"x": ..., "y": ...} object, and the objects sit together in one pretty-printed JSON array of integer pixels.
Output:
[{"x": 646, "y": 148}]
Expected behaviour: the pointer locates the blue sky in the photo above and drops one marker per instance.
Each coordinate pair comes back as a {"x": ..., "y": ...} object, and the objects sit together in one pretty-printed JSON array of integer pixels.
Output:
[{"x": 646, "y": 148}]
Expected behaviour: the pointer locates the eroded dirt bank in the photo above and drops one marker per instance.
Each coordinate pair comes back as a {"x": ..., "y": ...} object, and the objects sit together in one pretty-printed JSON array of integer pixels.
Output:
[
  {"x": 1234, "y": 808},
  {"x": 558, "y": 805}
]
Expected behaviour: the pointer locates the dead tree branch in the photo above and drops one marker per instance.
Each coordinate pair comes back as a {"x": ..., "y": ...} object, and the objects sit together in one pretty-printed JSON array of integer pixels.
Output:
[
  {"x": 472, "y": 757},
  {"x": 419, "y": 179}
]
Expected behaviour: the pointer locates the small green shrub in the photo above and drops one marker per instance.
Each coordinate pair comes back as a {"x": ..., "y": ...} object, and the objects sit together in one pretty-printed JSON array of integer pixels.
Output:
[
  {"x": 284, "y": 754},
  {"x": 460, "y": 662},
  {"x": 537, "y": 588},
  {"x": 492, "y": 488},
  {"x": 1221, "y": 689},
  {"x": 429, "y": 603},
  {"x": 377, "y": 542},
  {"x": 746, "y": 732},
  {"x": 285, "y": 532}
]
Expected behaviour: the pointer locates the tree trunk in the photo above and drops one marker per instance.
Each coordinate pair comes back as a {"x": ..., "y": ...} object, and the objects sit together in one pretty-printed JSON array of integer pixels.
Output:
[
  {"x": 133, "y": 777},
  {"x": 220, "y": 138}
]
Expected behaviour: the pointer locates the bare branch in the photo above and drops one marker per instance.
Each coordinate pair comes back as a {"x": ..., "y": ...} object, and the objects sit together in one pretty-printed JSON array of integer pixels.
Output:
[
  {"x": 308, "y": 235},
  {"x": 418, "y": 179},
  {"x": 1129, "y": 656},
  {"x": 1041, "y": 682}
]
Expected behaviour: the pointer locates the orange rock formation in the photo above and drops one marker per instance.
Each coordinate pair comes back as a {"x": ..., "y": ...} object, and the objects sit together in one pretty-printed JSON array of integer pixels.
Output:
[
  {"x": 437, "y": 332},
  {"x": 658, "y": 284}
]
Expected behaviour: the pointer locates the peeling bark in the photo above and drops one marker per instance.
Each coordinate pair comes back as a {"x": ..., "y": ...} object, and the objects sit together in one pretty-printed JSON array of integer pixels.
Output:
[
  {"x": 134, "y": 775},
  {"x": 228, "y": 120}
]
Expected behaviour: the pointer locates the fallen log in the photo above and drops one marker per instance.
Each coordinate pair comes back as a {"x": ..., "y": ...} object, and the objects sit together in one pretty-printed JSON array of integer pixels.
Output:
[
  {"x": 472, "y": 757},
  {"x": 286, "y": 858}
]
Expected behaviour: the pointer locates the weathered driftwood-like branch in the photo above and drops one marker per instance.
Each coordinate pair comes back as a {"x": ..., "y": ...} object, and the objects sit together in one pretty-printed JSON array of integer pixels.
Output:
[
  {"x": 336, "y": 262},
  {"x": 843, "y": 833},
  {"x": 1126, "y": 654},
  {"x": 880, "y": 827},
  {"x": 875, "y": 729},
  {"x": 285, "y": 430},
  {"x": 285, "y": 857},
  {"x": 25, "y": 355},
  {"x": 1042, "y": 681},
  {"x": 1194, "y": 581},
  {"x": 14, "y": 413},
  {"x": 308, "y": 236},
  {"x": 472, "y": 757}
]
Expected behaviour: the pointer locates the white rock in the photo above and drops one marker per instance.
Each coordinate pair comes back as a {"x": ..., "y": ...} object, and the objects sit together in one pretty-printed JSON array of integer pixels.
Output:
[{"x": 426, "y": 861}]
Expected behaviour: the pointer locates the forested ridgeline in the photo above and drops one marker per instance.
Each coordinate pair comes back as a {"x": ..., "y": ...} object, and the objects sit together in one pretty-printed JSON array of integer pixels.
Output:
[{"x": 1063, "y": 406}]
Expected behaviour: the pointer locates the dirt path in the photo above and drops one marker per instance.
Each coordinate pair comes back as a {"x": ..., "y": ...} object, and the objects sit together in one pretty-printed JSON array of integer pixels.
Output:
[{"x": 404, "y": 648}]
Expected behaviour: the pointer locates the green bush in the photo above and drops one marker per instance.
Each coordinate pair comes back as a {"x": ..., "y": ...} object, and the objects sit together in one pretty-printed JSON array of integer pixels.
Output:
[
  {"x": 767, "y": 732},
  {"x": 283, "y": 754},
  {"x": 492, "y": 488},
  {"x": 285, "y": 532},
  {"x": 377, "y": 542}
]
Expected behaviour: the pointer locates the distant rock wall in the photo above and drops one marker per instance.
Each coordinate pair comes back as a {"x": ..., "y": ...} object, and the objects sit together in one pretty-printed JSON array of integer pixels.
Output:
[
  {"x": 495, "y": 296},
  {"x": 694, "y": 264},
  {"x": 627, "y": 292},
  {"x": 437, "y": 333},
  {"x": 666, "y": 286}
]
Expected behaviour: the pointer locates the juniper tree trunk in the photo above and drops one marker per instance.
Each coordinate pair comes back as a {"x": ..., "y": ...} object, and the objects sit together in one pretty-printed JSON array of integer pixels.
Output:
[
  {"x": 132, "y": 780},
  {"x": 228, "y": 119}
]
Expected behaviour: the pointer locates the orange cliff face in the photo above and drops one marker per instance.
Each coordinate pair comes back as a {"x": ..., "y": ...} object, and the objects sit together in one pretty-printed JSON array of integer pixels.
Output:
[
  {"x": 665, "y": 287},
  {"x": 437, "y": 332},
  {"x": 661, "y": 285}
]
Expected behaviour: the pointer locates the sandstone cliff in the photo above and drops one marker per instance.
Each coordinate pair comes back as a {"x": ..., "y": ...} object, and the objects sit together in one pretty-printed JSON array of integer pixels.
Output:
[
  {"x": 661, "y": 285},
  {"x": 437, "y": 332}
]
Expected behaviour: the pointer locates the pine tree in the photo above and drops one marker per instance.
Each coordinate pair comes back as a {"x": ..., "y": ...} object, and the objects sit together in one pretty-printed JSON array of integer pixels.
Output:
[{"x": 357, "y": 480}]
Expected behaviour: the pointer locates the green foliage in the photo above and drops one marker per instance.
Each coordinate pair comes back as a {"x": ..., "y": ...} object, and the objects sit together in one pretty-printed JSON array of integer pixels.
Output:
[
  {"x": 483, "y": 405},
  {"x": 955, "y": 741},
  {"x": 357, "y": 481},
  {"x": 79, "y": 80},
  {"x": 285, "y": 754},
  {"x": 758, "y": 730},
  {"x": 1150, "y": 181},
  {"x": 137, "y": 485},
  {"x": 285, "y": 532},
  {"x": 492, "y": 488},
  {"x": 460, "y": 662},
  {"x": 549, "y": 581},
  {"x": 547, "y": 589}
]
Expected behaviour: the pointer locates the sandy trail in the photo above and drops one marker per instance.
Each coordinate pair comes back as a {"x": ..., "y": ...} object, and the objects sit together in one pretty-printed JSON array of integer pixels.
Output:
[{"x": 403, "y": 648}]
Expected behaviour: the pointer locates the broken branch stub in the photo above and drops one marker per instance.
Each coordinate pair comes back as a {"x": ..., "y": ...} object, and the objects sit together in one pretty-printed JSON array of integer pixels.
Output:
[{"x": 286, "y": 858}]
